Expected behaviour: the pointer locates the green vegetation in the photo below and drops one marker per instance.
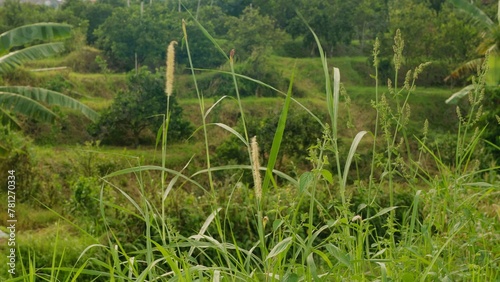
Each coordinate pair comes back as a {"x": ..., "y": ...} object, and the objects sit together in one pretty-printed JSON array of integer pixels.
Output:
[
  {"x": 281, "y": 151},
  {"x": 26, "y": 100},
  {"x": 488, "y": 48},
  {"x": 139, "y": 109}
]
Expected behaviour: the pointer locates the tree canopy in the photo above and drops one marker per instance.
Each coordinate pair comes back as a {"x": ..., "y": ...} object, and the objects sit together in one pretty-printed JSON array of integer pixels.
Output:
[{"x": 130, "y": 32}]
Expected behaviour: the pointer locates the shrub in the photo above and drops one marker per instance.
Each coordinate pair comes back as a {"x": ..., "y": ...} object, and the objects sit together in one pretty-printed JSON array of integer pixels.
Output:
[
  {"x": 16, "y": 154},
  {"x": 83, "y": 60},
  {"x": 139, "y": 109}
]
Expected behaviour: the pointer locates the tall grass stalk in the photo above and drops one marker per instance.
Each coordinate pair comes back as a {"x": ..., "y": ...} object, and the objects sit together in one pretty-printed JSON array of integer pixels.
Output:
[{"x": 169, "y": 83}]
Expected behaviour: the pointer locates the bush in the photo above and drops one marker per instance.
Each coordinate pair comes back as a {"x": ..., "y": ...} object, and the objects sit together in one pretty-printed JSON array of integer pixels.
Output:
[
  {"x": 138, "y": 110},
  {"x": 15, "y": 154},
  {"x": 83, "y": 60}
]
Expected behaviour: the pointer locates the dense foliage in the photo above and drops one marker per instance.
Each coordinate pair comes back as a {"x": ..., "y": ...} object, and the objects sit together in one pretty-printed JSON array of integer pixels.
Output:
[
  {"x": 141, "y": 107},
  {"x": 130, "y": 32}
]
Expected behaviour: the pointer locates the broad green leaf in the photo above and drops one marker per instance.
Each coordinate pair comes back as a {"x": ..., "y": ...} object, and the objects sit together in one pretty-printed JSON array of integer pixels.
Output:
[
  {"x": 305, "y": 180},
  {"x": 34, "y": 32},
  {"x": 16, "y": 58},
  {"x": 280, "y": 248},
  {"x": 26, "y": 106},
  {"x": 327, "y": 175},
  {"x": 474, "y": 12},
  {"x": 277, "y": 223},
  {"x": 48, "y": 97},
  {"x": 342, "y": 257}
]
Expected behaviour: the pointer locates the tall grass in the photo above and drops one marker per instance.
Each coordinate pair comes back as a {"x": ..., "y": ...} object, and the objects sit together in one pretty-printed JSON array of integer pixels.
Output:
[{"x": 441, "y": 233}]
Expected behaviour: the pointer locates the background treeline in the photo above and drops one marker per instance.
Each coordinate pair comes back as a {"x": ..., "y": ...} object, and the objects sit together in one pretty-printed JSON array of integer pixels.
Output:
[{"x": 130, "y": 32}]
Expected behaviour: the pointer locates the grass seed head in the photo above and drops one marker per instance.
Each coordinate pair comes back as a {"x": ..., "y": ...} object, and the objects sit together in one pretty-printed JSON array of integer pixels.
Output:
[
  {"x": 398, "y": 47},
  {"x": 265, "y": 219},
  {"x": 169, "y": 81},
  {"x": 256, "y": 165},
  {"x": 420, "y": 69},
  {"x": 231, "y": 55},
  {"x": 376, "y": 51}
]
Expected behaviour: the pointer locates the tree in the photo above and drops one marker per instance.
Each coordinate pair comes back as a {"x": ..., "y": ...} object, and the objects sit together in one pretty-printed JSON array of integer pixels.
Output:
[
  {"x": 333, "y": 22},
  {"x": 253, "y": 32},
  {"x": 30, "y": 101},
  {"x": 373, "y": 19},
  {"x": 94, "y": 13},
  {"x": 490, "y": 45},
  {"x": 233, "y": 7},
  {"x": 128, "y": 33},
  {"x": 418, "y": 24},
  {"x": 138, "y": 108},
  {"x": 15, "y": 13}
]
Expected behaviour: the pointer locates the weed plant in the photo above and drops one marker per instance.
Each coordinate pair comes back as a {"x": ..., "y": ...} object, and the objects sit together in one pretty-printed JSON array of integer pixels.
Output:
[{"x": 328, "y": 224}]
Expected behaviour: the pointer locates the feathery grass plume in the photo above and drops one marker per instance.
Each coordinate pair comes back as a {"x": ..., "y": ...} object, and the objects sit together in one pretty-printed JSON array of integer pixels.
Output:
[
  {"x": 376, "y": 51},
  {"x": 256, "y": 165},
  {"x": 425, "y": 130},
  {"x": 406, "y": 84},
  {"x": 407, "y": 114},
  {"x": 459, "y": 115},
  {"x": 398, "y": 50},
  {"x": 420, "y": 69},
  {"x": 169, "y": 81}
]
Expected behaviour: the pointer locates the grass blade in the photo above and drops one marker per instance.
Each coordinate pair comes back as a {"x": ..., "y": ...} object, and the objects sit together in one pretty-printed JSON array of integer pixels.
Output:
[
  {"x": 350, "y": 156},
  {"x": 280, "y": 248},
  {"x": 204, "y": 228},
  {"x": 278, "y": 136}
]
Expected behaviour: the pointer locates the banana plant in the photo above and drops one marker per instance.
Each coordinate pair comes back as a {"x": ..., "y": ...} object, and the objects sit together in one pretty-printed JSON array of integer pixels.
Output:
[
  {"x": 489, "y": 46},
  {"x": 31, "y": 101}
]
